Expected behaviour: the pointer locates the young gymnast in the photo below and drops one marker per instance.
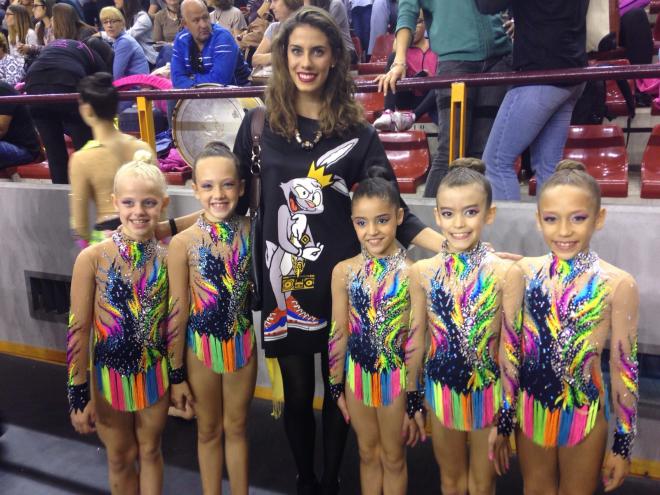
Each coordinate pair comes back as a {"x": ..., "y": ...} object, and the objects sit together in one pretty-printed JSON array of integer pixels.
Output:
[
  {"x": 370, "y": 311},
  {"x": 559, "y": 311},
  {"x": 210, "y": 316},
  {"x": 456, "y": 296},
  {"x": 119, "y": 287}
]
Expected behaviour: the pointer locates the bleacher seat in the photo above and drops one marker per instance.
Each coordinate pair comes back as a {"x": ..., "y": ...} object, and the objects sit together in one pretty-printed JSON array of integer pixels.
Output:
[
  {"x": 408, "y": 152},
  {"x": 178, "y": 178},
  {"x": 373, "y": 104},
  {"x": 371, "y": 68},
  {"x": 656, "y": 35},
  {"x": 38, "y": 170},
  {"x": 650, "y": 176},
  {"x": 614, "y": 99},
  {"x": 382, "y": 48},
  {"x": 602, "y": 148}
]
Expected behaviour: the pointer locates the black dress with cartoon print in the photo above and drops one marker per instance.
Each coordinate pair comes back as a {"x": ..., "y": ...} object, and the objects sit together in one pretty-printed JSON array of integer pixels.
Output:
[{"x": 307, "y": 226}]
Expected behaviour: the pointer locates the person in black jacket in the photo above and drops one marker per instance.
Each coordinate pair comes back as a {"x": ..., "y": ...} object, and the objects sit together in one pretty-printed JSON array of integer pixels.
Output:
[
  {"x": 58, "y": 69},
  {"x": 550, "y": 34}
]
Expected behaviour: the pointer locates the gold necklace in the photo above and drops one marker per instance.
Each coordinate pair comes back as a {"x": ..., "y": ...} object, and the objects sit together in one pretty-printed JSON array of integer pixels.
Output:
[{"x": 306, "y": 144}]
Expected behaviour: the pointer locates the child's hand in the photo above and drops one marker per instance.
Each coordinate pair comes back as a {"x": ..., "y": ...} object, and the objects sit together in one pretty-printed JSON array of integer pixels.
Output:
[
  {"x": 181, "y": 397},
  {"x": 499, "y": 451},
  {"x": 509, "y": 256},
  {"x": 615, "y": 470},
  {"x": 413, "y": 429},
  {"x": 84, "y": 422},
  {"x": 341, "y": 404}
]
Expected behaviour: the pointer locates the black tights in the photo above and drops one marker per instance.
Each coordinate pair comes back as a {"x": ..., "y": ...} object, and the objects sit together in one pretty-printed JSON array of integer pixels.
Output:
[{"x": 299, "y": 380}]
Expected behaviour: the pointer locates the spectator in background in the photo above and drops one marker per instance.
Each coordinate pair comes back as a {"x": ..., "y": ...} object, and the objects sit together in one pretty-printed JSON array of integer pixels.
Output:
[
  {"x": 228, "y": 16},
  {"x": 11, "y": 67},
  {"x": 20, "y": 29},
  {"x": 337, "y": 11},
  {"x": 383, "y": 15},
  {"x": 58, "y": 69},
  {"x": 421, "y": 62},
  {"x": 18, "y": 139},
  {"x": 466, "y": 42},
  {"x": 205, "y": 52},
  {"x": 156, "y": 6},
  {"x": 43, "y": 13},
  {"x": 138, "y": 24},
  {"x": 167, "y": 22},
  {"x": 129, "y": 57},
  {"x": 361, "y": 21},
  {"x": 282, "y": 10},
  {"x": 253, "y": 7}
]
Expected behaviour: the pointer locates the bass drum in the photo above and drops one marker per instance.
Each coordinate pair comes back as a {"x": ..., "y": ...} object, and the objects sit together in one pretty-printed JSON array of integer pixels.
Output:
[{"x": 195, "y": 122}]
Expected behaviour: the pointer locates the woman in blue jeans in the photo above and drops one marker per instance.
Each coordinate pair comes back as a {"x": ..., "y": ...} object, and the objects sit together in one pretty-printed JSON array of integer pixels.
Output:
[{"x": 550, "y": 34}]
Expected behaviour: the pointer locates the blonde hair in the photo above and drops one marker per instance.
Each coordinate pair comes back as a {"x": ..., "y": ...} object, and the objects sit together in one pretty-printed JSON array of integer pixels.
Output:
[
  {"x": 573, "y": 173},
  {"x": 142, "y": 168},
  {"x": 111, "y": 13}
]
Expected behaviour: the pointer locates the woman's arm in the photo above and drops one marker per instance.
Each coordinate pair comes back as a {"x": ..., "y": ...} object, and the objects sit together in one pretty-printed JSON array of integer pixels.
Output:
[
  {"x": 429, "y": 239},
  {"x": 123, "y": 54},
  {"x": 83, "y": 288},
  {"x": 164, "y": 229},
  {"x": 338, "y": 339},
  {"x": 142, "y": 25},
  {"x": 624, "y": 377},
  {"x": 261, "y": 55}
]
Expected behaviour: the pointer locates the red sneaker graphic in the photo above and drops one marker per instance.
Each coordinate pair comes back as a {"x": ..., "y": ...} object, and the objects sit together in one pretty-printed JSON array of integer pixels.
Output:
[{"x": 296, "y": 317}]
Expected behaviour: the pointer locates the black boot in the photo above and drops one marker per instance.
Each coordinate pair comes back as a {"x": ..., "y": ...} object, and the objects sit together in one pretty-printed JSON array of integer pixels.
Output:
[
  {"x": 307, "y": 487},
  {"x": 330, "y": 487}
]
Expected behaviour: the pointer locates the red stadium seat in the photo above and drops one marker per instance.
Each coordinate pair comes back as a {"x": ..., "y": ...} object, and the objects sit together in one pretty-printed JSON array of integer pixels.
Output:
[
  {"x": 34, "y": 171},
  {"x": 373, "y": 104},
  {"x": 656, "y": 33},
  {"x": 408, "y": 152},
  {"x": 602, "y": 148},
  {"x": 651, "y": 166},
  {"x": 655, "y": 7},
  {"x": 382, "y": 48},
  {"x": 178, "y": 178},
  {"x": 614, "y": 99}
]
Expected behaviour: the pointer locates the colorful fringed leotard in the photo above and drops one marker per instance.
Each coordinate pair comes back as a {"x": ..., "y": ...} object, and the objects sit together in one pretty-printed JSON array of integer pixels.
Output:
[
  {"x": 552, "y": 350},
  {"x": 220, "y": 331},
  {"x": 379, "y": 304},
  {"x": 129, "y": 323},
  {"x": 462, "y": 375}
]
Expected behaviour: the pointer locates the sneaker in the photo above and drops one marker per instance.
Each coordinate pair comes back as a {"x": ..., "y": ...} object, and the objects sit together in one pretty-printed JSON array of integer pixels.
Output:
[
  {"x": 275, "y": 325},
  {"x": 296, "y": 317},
  {"x": 394, "y": 121}
]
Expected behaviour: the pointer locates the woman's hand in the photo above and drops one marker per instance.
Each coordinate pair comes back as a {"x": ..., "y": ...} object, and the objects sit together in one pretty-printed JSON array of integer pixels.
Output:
[
  {"x": 413, "y": 429},
  {"x": 84, "y": 422},
  {"x": 181, "y": 397},
  {"x": 388, "y": 80},
  {"x": 499, "y": 451},
  {"x": 341, "y": 404},
  {"x": 615, "y": 470}
]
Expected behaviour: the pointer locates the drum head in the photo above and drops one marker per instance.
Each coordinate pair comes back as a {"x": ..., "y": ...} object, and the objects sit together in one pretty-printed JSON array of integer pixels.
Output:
[{"x": 196, "y": 122}]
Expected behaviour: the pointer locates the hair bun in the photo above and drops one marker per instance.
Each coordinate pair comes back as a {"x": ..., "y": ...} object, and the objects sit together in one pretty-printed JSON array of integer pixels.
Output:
[
  {"x": 379, "y": 172},
  {"x": 470, "y": 163},
  {"x": 570, "y": 165},
  {"x": 143, "y": 156}
]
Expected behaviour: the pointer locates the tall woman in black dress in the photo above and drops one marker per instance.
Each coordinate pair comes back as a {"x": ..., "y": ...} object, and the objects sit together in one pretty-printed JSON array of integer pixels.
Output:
[{"x": 315, "y": 146}]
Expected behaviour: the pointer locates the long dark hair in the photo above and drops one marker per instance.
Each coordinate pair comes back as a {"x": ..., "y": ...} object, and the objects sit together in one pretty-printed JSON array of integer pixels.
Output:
[
  {"x": 41, "y": 26},
  {"x": 322, "y": 4},
  {"x": 339, "y": 111},
  {"x": 130, "y": 9},
  {"x": 66, "y": 23}
]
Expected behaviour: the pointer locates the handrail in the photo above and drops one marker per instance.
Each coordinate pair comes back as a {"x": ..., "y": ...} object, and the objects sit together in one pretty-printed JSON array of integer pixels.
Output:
[{"x": 574, "y": 76}]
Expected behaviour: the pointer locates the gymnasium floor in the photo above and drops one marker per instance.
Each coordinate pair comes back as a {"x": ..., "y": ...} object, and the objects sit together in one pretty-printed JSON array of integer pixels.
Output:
[{"x": 40, "y": 454}]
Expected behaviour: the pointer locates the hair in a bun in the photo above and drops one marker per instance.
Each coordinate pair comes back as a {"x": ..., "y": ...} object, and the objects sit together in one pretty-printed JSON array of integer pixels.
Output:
[
  {"x": 98, "y": 91},
  {"x": 465, "y": 172},
  {"x": 142, "y": 167},
  {"x": 221, "y": 150},
  {"x": 380, "y": 183},
  {"x": 572, "y": 173}
]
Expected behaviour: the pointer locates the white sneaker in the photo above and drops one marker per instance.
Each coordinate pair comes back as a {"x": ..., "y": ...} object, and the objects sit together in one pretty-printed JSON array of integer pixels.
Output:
[{"x": 395, "y": 121}]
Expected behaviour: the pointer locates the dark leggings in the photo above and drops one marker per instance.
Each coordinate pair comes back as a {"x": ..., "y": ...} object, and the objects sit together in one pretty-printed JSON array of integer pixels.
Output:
[{"x": 299, "y": 380}]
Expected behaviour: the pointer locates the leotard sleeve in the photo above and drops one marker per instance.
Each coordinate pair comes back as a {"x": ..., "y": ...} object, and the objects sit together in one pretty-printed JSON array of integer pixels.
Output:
[
  {"x": 510, "y": 350},
  {"x": 417, "y": 333},
  {"x": 338, "y": 339},
  {"x": 623, "y": 364},
  {"x": 83, "y": 285},
  {"x": 177, "y": 267}
]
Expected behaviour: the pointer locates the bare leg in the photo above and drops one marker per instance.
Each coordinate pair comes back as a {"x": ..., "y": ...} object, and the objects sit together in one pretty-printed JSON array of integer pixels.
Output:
[
  {"x": 538, "y": 465},
  {"x": 149, "y": 426},
  {"x": 579, "y": 466},
  {"x": 116, "y": 431},
  {"x": 238, "y": 390},
  {"x": 451, "y": 454},
  {"x": 481, "y": 476},
  {"x": 393, "y": 452},
  {"x": 206, "y": 387},
  {"x": 365, "y": 424}
]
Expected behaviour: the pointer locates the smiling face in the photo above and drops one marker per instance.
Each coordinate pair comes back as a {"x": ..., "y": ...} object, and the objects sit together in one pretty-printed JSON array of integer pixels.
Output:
[
  {"x": 567, "y": 217},
  {"x": 375, "y": 221},
  {"x": 217, "y": 186},
  {"x": 138, "y": 202},
  {"x": 310, "y": 59},
  {"x": 461, "y": 214}
]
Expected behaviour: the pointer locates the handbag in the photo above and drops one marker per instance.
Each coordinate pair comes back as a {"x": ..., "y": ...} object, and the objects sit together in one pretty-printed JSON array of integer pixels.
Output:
[{"x": 256, "y": 233}]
